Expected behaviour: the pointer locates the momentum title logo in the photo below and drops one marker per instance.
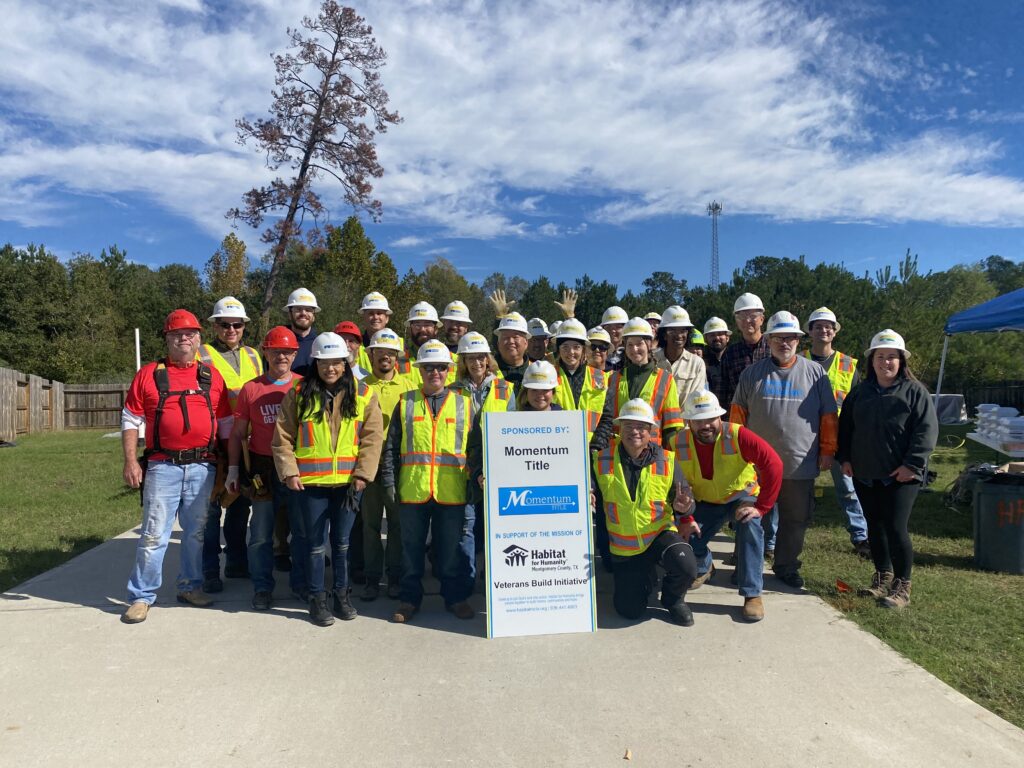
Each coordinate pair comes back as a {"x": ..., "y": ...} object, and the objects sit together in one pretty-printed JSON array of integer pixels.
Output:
[{"x": 539, "y": 500}]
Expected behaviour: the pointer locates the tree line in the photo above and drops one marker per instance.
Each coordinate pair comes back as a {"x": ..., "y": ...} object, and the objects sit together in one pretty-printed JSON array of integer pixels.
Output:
[{"x": 74, "y": 320}]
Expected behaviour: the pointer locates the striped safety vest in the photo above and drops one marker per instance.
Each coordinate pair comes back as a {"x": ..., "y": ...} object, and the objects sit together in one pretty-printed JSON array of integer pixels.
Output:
[
  {"x": 499, "y": 394},
  {"x": 634, "y": 523},
  {"x": 318, "y": 463},
  {"x": 659, "y": 391},
  {"x": 591, "y": 396},
  {"x": 250, "y": 367},
  {"x": 433, "y": 450},
  {"x": 840, "y": 375},
  {"x": 732, "y": 476}
]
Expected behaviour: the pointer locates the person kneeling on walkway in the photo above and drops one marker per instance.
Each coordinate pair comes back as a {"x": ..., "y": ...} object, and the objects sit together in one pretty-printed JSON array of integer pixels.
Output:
[
  {"x": 733, "y": 475},
  {"x": 635, "y": 477}
]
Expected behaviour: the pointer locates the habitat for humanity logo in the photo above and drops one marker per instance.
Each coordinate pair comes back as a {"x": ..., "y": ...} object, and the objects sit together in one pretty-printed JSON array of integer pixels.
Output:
[
  {"x": 515, "y": 555},
  {"x": 539, "y": 500}
]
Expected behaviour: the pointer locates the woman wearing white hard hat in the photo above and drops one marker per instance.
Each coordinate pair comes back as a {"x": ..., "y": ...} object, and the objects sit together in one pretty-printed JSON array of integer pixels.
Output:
[
  {"x": 327, "y": 447},
  {"x": 887, "y": 431},
  {"x": 599, "y": 345},
  {"x": 580, "y": 387}
]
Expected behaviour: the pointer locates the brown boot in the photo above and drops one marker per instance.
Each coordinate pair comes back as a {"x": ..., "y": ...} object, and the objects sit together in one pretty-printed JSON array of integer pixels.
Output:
[
  {"x": 136, "y": 613},
  {"x": 753, "y": 609},
  {"x": 404, "y": 613},
  {"x": 899, "y": 594},
  {"x": 703, "y": 578},
  {"x": 879, "y": 588}
]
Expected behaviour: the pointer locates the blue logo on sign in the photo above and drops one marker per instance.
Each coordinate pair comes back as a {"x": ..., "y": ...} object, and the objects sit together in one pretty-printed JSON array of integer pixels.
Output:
[{"x": 539, "y": 500}]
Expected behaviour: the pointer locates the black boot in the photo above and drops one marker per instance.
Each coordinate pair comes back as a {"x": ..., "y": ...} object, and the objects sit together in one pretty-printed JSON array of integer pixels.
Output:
[
  {"x": 343, "y": 608},
  {"x": 681, "y": 613},
  {"x": 319, "y": 614}
]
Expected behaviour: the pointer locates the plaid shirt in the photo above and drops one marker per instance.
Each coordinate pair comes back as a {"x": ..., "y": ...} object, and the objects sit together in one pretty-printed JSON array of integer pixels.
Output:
[{"x": 737, "y": 357}]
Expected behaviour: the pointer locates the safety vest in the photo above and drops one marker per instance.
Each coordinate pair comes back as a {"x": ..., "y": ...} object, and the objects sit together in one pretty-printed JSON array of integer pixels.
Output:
[
  {"x": 407, "y": 367},
  {"x": 840, "y": 375},
  {"x": 319, "y": 463},
  {"x": 591, "y": 397},
  {"x": 732, "y": 476},
  {"x": 250, "y": 366},
  {"x": 634, "y": 523},
  {"x": 499, "y": 393},
  {"x": 433, "y": 450},
  {"x": 660, "y": 393}
]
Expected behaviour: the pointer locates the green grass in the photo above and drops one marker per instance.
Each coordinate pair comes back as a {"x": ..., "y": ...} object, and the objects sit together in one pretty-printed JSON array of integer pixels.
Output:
[
  {"x": 963, "y": 625},
  {"x": 62, "y": 494}
]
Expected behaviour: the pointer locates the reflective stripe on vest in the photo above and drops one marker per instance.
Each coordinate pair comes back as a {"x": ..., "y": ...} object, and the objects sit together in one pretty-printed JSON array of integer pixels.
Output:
[
  {"x": 318, "y": 464},
  {"x": 840, "y": 375},
  {"x": 732, "y": 476},
  {"x": 659, "y": 391},
  {"x": 250, "y": 366},
  {"x": 433, "y": 450},
  {"x": 591, "y": 400},
  {"x": 633, "y": 523}
]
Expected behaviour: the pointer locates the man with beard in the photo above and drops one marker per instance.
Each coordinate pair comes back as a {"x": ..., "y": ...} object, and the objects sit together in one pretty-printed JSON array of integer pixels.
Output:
[
  {"x": 716, "y": 339},
  {"x": 422, "y": 323},
  {"x": 302, "y": 309},
  {"x": 376, "y": 314},
  {"x": 456, "y": 324}
]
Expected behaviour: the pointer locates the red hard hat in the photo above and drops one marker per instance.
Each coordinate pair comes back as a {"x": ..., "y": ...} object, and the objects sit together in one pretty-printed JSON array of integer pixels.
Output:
[
  {"x": 181, "y": 320},
  {"x": 347, "y": 326},
  {"x": 280, "y": 337}
]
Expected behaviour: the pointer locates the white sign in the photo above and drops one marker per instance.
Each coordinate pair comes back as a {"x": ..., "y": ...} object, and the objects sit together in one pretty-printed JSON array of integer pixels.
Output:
[{"x": 540, "y": 566}]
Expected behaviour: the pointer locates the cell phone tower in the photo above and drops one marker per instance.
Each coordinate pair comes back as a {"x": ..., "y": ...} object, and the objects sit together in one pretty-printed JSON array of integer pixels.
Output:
[{"x": 714, "y": 211}]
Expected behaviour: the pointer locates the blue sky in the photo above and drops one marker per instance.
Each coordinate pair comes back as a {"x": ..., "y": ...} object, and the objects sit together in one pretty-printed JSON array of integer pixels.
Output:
[{"x": 542, "y": 138}]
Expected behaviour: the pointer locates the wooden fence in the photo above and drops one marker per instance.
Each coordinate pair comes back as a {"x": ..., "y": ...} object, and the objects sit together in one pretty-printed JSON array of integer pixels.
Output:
[
  {"x": 94, "y": 406},
  {"x": 29, "y": 404}
]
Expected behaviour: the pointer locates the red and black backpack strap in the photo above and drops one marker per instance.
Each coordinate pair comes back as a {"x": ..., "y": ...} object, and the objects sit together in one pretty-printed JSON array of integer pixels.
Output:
[{"x": 204, "y": 379}]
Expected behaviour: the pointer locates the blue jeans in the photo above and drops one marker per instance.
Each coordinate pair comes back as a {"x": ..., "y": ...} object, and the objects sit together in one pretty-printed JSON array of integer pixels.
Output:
[
  {"x": 749, "y": 543},
  {"x": 171, "y": 491},
  {"x": 468, "y": 544},
  {"x": 770, "y": 528},
  {"x": 335, "y": 507},
  {"x": 846, "y": 495},
  {"x": 261, "y": 537},
  {"x": 298, "y": 543},
  {"x": 446, "y": 524},
  {"x": 236, "y": 520}
]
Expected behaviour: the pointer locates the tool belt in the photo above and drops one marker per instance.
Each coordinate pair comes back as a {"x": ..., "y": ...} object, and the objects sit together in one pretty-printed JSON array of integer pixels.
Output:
[{"x": 257, "y": 482}]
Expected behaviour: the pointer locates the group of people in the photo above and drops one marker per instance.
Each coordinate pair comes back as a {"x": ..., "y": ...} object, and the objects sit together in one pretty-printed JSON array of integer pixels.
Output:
[{"x": 305, "y": 446}]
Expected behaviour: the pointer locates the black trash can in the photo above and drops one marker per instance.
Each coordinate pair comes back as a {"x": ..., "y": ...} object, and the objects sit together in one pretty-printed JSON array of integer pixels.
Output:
[{"x": 999, "y": 523}]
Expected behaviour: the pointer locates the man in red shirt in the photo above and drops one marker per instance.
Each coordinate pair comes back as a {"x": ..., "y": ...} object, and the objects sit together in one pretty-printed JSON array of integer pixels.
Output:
[
  {"x": 184, "y": 406},
  {"x": 733, "y": 475}
]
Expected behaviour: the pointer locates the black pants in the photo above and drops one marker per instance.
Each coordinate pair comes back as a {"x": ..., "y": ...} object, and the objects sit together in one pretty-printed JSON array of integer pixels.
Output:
[
  {"x": 635, "y": 576},
  {"x": 887, "y": 509}
]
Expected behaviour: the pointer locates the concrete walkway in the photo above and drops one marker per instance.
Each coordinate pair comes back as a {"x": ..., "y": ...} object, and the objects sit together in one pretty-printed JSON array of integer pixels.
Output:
[{"x": 230, "y": 686}]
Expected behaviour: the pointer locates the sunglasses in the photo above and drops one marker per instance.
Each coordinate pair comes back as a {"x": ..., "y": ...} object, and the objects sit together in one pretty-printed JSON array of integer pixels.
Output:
[
  {"x": 434, "y": 368},
  {"x": 236, "y": 326},
  {"x": 599, "y": 348}
]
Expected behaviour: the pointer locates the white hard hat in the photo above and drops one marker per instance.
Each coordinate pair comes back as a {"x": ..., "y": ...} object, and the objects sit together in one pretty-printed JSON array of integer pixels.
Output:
[
  {"x": 513, "y": 321},
  {"x": 302, "y": 297},
  {"x": 614, "y": 315},
  {"x": 375, "y": 301},
  {"x": 474, "y": 343},
  {"x": 229, "y": 306},
  {"x": 329, "y": 346},
  {"x": 783, "y": 322},
  {"x": 537, "y": 327},
  {"x": 433, "y": 352},
  {"x": 675, "y": 317},
  {"x": 553, "y": 328},
  {"x": 887, "y": 339},
  {"x": 823, "y": 313},
  {"x": 573, "y": 329},
  {"x": 456, "y": 310},
  {"x": 702, "y": 404},
  {"x": 716, "y": 325},
  {"x": 598, "y": 333},
  {"x": 540, "y": 375},
  {"x": 747, "y": 301},
  {"x": 637, "y": 326},
  {"x": 653, "y": 316},
  {"x": 636, "y": 409},
  {"x": 385, "y": 338},
  {"x": 422, "y": 310}
]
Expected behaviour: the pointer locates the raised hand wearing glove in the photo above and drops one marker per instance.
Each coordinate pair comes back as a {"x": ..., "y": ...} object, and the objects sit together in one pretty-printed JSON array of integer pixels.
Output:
[
  {"x": 568, "y": 303},
  {"x": 501, "y": 305}
]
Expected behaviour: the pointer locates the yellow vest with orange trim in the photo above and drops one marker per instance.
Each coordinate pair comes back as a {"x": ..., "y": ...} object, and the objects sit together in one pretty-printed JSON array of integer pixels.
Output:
[
  {"x": 250, "y": 366},
  {"x": 499, "y": 393},
  {"x": 318, "y": 463},
  {"x": 634, "y": 523},
  {"x": 732, "y": 476},
  {"x": 433, "y": 450},
  {"x": 840, "y": 375},
  {"x": 408, "y": 368},
  {"x": 591, "y": 396},
  {"x": 659, "y": 392}
]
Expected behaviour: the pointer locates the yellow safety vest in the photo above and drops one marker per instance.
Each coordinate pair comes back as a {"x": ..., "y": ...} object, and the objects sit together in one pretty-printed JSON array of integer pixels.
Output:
[
  {"x": 407, "y": 367},
  {"x": 250, "y": 366},
  {"x": 319, "y": 463},
  {"x": 840, "y": 375},
  {"x": 634, "y": 523},
  {"x": 660, "y": 393},
  {"x": 733, "y": 477},
  {"x": 433, "y": 450},
  {"x": 499, "y": 393},
  {"x": 591, "y": 397}
]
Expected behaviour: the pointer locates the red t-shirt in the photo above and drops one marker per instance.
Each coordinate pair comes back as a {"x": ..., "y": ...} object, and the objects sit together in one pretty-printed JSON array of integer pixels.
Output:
[
  {"x": 143, "y": 398},
  {"x": 754, "y": 450},
  {"x": 258, "y": 403}
]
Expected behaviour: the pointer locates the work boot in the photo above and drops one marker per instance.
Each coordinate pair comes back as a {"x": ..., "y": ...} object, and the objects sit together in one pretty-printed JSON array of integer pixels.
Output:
[
  {"x": 792, "y": 579},
  {"x": 769, "y": 556},
  {"x": 370, "y": 592},
  {"x": 753, "y": 609},
  {"x": 879, "y": 588},
  {"x": 196, "y": 598},
  {"x": 863, "y": 549},
  {"x": 462, "y": 610},
  {"x": 899, "y": 594},
  {"x": 404, "y": 613},
  {"x": 681, "y": 613},
  {"x": 703, "y": 578},
  {"x": 319, "y": 613},
  {"x": 343, "y": 607},
  {"x": 261, "y": 601},
  {"x": 731, "y": 559},
  {"x": 212, "y": 583},
  {"x": 136, "y": 612}
]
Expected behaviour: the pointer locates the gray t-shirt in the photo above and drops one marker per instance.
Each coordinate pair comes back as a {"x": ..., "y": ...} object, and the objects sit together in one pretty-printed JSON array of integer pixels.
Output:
[{"x": 785, "y": 406}]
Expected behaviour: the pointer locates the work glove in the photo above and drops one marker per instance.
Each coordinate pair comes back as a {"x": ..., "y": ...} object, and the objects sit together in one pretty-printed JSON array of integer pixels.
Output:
[
  {"x": 568, "y": 303},
  {"x": 501, "y": 306},
  {"x": 389, "y": 495},
  {"x": 231, "y": 484}
]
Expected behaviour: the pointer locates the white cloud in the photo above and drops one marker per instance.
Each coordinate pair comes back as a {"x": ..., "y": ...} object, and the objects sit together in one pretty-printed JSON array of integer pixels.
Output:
[
  {"x": 648, "y": 109},
  {"x": 410, "y": 241}
]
